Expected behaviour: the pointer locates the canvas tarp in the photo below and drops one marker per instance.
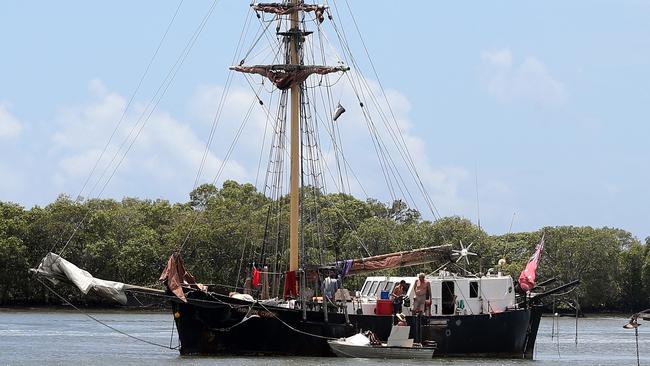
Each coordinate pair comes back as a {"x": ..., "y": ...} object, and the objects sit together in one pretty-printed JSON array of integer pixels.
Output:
[
  {"x": 174, "y": 276},
  {"x": 285, "y": 76},
  {"x": 56, "y": 269}
]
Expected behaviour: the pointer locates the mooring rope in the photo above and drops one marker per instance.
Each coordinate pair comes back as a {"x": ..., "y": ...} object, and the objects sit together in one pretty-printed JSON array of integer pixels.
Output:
[
  {"x": 293, "y": 328},
  {"x": 246, "y": 318},
  {"x": 104, "y": 323}
]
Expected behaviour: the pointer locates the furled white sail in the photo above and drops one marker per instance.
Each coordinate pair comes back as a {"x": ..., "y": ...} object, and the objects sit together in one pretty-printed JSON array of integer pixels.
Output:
[{"x": 56, "y": 269}]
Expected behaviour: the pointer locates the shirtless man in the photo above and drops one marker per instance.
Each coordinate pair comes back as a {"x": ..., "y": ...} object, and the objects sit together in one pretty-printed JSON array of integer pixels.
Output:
[
  {"x": 398, "y": 296},
  {"x": 420, "y": 297}
]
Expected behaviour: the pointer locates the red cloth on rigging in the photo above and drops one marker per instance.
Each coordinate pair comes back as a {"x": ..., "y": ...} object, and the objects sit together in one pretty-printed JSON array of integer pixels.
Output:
[
  {"x": 290, "y": 285},
  {"x": 255, "y": 281},
  {"x": 174, "y": 276}
]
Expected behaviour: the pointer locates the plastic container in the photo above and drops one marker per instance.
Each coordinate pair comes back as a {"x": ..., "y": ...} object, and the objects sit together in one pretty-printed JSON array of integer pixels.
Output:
[
  {"x": 384, "y": 307},
  {"x": 384, "y": 295}
]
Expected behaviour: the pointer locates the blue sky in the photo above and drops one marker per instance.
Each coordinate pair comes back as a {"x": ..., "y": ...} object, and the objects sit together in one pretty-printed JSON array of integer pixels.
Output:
[{"x": 546, "y": 103}]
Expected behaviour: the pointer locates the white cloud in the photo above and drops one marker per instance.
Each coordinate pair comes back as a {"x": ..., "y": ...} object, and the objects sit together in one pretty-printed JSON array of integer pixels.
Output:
[
  {"x": 162, "y": 163},
  {"x": 204, "y": 104},
  {"x": 10, "y": 126},
  {"x": 501, "y": 58},
  {"x": 167, "y": 154},
  {"x": 441, "y": 183},
  {"x": 529, "y": 80}
]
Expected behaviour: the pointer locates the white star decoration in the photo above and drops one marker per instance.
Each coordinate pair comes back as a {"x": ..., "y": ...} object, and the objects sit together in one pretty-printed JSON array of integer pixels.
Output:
[{"x": 463, "y": 252}]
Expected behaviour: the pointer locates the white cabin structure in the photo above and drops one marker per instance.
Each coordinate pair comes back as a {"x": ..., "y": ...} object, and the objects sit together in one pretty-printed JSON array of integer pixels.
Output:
[{"x": 451, "y": 294}]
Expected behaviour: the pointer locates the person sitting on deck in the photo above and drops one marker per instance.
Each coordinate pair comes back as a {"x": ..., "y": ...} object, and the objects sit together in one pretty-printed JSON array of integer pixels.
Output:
[{"x": 401, "y": 320}]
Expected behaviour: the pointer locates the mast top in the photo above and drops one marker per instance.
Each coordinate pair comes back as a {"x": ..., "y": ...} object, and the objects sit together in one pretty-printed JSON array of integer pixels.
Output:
[{"x": 289, "y": 8}]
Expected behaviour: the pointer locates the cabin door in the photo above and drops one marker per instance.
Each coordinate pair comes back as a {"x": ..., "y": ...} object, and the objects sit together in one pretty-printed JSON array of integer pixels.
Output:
[{"x": 448, "y": 298}]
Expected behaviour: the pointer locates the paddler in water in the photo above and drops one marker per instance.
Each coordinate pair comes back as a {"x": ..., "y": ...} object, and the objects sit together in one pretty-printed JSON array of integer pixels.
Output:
[{"x": 421, "y": 289}]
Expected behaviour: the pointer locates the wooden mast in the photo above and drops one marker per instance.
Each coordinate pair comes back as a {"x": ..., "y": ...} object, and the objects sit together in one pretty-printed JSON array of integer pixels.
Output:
[
  {"x": 295, "y": 141},
  {"x": 290, "y": 75}
]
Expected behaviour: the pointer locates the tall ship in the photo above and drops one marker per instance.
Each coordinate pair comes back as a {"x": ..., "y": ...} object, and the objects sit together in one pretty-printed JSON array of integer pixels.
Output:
[{"x": 292, "y": 303}]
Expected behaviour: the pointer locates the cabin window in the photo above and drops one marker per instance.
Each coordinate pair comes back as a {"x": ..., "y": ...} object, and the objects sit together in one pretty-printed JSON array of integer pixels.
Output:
[
  {"x": 473, "y": 289},
  {"x": 373, "y": 288},
  {"x": 366, "y": 287},
  {"x": 381, "y": 287},
  {"x": 389, "y": 286}
]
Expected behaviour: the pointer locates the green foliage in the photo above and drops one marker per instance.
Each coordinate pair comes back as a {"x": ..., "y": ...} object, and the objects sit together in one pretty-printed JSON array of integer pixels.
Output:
[
  {"x": 221, "y": 231},
  {"x": 12, "y": 256}
]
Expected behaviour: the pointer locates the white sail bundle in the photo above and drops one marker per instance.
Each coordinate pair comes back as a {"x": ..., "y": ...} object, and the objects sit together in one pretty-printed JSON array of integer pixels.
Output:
[{"x": 56, "y": 269}]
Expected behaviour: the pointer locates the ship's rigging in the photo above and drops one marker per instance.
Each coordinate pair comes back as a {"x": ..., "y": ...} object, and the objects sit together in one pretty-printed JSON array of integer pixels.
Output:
[
  {"x": 301, "y": 53},
  {"x": 297, "y": 62}
]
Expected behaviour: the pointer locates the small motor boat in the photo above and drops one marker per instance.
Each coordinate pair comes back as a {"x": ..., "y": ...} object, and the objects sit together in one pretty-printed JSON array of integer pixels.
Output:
[{"x": 398, "y": 346}]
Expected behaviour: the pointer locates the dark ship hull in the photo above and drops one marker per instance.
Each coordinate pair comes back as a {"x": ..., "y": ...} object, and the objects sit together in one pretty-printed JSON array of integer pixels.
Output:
[{"x": 213, "y": 324}]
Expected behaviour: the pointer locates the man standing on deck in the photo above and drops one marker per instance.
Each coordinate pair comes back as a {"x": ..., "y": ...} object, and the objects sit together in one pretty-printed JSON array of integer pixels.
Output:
[
  {"x": 398, "y": 296},
  {"x": 421, "y": 289}
]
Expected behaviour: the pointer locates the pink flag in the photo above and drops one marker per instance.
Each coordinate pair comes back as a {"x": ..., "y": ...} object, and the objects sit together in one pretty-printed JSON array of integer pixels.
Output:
[{"x": 527, "y": 277}]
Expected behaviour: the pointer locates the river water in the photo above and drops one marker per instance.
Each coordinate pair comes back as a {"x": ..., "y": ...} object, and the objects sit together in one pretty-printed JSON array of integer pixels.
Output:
[{"x": 41, "y": 337}]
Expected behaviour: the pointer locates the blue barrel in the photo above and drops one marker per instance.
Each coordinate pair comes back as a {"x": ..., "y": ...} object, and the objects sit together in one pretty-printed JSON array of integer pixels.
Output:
[{"x": 384, "y": 295}]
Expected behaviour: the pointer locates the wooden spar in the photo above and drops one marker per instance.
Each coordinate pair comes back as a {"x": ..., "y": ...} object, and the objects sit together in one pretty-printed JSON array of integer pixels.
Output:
[
  {"x": 295, "y": 153},
  {"x": 400, "y": 259}
]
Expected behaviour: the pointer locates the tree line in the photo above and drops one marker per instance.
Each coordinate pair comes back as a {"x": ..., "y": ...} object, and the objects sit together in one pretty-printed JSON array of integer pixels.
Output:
[{"x": 220, "y": 231}]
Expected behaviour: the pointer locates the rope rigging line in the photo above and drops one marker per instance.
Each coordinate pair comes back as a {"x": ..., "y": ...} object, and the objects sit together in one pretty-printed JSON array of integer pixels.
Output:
[
  {"x": 399, "y": 142},
  {"x": 262, "y": 32},
  {"x": 215, "y": 123},
  {"x": 156, "y": 98},
  {"x": 131, "y": 99},
  {"x": 314, "y": 166},
  {"x": 313, "y": 133},
  {"x": 409, "y": 158},
  {"x": 274, "y": 189},
  {"x": 121, "y": 119},
  {"x": 348, "y": 224},
  {"x": 390, "y": 167},
  {"x": 220, "y": 105},
  {"x": 372, "y": 65},
  {"x": 293, "y": 328},
  {"x": 102, "y": 322},
  {"x": 379, "y": 146},
  {"x": 221, "y": 168},
  {"x": 142, "y": 120}
]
